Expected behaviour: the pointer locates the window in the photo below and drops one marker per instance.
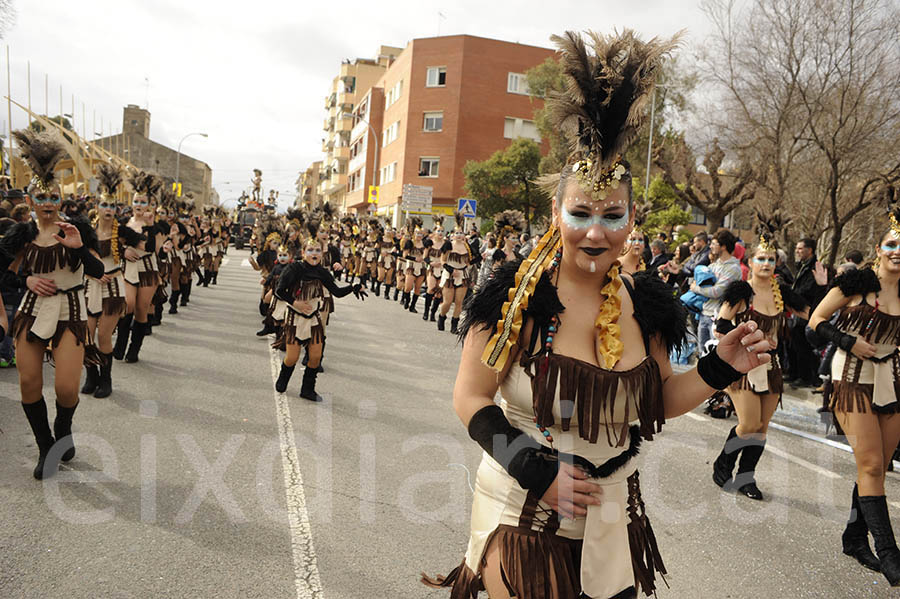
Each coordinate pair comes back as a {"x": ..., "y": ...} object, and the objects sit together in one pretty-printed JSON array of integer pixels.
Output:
[
  {"x": 394, "y": 94},
  {"x": 514, "y": 128},
  {"x": 428, "y": 167},
  {"x": 697, "y": 216},
  {"x": 390, "y": 134},
  {"x": 358, "y": 147},
  {"x": 354, "y": 182},
  {"x": 434, "y": 121},
  {"x": 516, "y": 83},
  {"x": 389, "y": 173},
  {"x": 133, "y": 123},
  {"x": 437, "y": 77}
]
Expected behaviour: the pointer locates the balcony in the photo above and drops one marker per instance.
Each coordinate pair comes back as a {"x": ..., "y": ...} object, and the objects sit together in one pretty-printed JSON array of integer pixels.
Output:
[
  {"x": 329, "y": 124},
  {"x": 342, "y": 125},
  {"x": 341, "y": 153}
]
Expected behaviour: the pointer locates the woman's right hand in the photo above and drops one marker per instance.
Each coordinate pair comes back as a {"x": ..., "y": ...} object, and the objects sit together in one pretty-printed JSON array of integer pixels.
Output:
[
  {"x": 131, "y": 254},
  {"x": 571, "y": 492},
  {"x": 863, "y": 349},
  {"x": 41, "y": 286}
]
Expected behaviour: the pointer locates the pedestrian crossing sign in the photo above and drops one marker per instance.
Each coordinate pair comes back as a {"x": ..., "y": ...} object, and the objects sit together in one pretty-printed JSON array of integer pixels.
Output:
[{"x": 467, "y": 207}]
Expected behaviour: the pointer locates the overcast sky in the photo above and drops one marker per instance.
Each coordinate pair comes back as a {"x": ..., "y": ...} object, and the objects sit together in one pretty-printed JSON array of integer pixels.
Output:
[{"x": 253, "y": 75}]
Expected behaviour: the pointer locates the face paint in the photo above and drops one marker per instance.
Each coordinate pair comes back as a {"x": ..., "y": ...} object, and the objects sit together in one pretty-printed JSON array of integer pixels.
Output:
[
  {"x": 764, "y": 261},
  {"x": 612, "y": 222}
]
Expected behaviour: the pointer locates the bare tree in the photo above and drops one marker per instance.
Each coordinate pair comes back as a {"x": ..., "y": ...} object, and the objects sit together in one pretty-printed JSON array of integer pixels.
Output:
[
  {"x": 705, "y": 191},
  {"x": 810, "y": 92}
]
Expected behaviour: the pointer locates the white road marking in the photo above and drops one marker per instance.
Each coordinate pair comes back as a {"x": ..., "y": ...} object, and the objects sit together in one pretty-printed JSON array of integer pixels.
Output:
[
  {"x": 306, "y": 569},
  {"x": 811, "y": 437},
  {"x": 696, "y": 417},
  {"x": 801, "y": 462},
  {"x": 224, "y": 262}
]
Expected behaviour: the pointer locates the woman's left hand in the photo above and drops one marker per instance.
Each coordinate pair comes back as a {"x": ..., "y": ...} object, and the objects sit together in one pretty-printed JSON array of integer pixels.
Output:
[
  {"x": 820, "y": 274},
  {"x": 745, "y": 348},
  {"x": 72, "y": 240}
]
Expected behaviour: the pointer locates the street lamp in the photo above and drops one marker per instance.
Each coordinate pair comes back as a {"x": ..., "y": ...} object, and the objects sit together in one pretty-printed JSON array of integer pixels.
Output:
[
  {"x": 347, "y": 115},
  {"x": 178, "y": 157}
]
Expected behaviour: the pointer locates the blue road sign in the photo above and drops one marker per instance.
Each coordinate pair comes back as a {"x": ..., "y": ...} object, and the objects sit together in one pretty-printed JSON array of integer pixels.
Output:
[{"x": 467, "y": 207}]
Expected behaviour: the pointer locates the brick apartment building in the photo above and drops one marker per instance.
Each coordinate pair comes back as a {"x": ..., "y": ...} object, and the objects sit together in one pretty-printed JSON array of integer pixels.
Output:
[{"x": 446, "y": 100}]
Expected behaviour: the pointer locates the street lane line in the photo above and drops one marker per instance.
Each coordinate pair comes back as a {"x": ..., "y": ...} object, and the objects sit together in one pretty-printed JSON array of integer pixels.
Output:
[
  {"x": 224, "y": 262},
  {"x": 696, "y": 417},
  {"x": 246, "y": 262},
  {"x": 801, "y": 462},
  {"x": 306, "y": 569},
  {"x": 811, "y": 437}
]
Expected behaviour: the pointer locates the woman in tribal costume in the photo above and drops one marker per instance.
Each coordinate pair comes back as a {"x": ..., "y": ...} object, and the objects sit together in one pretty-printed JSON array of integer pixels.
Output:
[
  {"x": 387, "y": 262},
  {"x": 865, "y": 395},
  {"x": 580, "y": 356},
  {"x": 757, "y": 394},
  {"x": 433, "y": 296},
  {"x": 456, "y": 256},
  {"x": 414, "y": 254},
  {"x": 508, "y": 225},
  {"x": 53, "y": 313}
]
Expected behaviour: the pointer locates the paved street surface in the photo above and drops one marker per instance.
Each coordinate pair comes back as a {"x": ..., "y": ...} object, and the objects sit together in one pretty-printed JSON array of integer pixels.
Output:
[{"x": 196, "y": 480}]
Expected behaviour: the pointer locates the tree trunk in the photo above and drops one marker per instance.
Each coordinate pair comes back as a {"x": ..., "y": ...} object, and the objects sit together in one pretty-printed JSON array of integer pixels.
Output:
[
  {"x": 714, "y": 221},
  {"x": 836, "y": 234}
]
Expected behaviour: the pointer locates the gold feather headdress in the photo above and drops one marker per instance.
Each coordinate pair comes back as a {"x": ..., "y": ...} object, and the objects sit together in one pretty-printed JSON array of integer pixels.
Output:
[
  {"x": 41, "y": 152},
  {"x": 767, "y": 227},
  {"x": 600, "y": 111},
  {"x": 110, "y": 177},
  {"x": 895, "y": 220}
]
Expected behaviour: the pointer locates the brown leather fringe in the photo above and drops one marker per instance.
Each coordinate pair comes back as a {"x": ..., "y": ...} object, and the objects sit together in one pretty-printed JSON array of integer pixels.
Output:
[
  {"x": 464, "y": 583},
  {"x": 593, "y": 392},
  {"x": 645, "y": 558},
  {"x": 874, "y": 325},
  {"x": 24, "y": 322},
  {"x": 148, "y": 278},
  {"x": 47, "y": 259},
  {"x": 771, "y": 326},
  {"x": 280, "y": 340},
  {"x": 851, "y": 397},
  {"x": 310, "y": 290},
  {"x": 536, "y": 565},
  {"x": 92, "y": 355},
  {"x": 160, "y": 295},
  {"x": 113, "y": 306}
]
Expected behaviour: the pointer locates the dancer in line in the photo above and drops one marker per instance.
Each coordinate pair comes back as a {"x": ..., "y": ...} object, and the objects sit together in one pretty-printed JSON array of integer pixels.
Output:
[
  {"x": 580, "y": 355},
  {"x": 864, "y": 397},
  {"x": 53, "y": 312},
  {"x": 456, "y": 256}
]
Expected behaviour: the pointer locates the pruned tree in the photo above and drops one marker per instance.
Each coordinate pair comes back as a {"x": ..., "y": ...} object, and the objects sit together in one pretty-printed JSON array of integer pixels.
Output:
[{"x": 708, "y": 191}]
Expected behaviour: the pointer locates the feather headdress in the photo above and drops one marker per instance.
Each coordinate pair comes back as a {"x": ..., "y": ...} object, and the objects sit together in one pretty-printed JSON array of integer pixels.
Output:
[
  {"x": 139, "y": 181},
  {"x": 768, "y": 226},
  {"x": 460, "y": 221},
  {"x": 327, "y": 212},
  {"x": 413, "y": 223},
  {"x": 508, "y": 222},
  {"x": 438, "y": 220},
  {"x": 602, "y": 106},
  {"x": 110, "y": 177},
  {"x": 41, "y": 152}
]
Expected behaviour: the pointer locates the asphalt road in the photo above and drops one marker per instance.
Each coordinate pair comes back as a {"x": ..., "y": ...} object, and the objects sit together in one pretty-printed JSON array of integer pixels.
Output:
[{"x": 195, "y": 479}]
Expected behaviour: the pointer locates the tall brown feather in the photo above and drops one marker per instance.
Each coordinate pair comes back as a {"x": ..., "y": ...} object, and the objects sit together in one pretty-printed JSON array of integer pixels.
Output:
[{"x": 41, "y": 152}]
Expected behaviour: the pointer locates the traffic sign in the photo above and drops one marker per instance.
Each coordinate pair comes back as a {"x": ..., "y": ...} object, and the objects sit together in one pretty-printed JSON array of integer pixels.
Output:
[
  {"x": 373, "y": 194},
  {"x": 416, "y": 197},
  {"x": 467, "y": 207}
]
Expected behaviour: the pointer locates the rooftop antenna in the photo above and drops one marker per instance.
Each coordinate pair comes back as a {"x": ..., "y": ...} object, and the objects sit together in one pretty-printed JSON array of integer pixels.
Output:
[{"x": 440, "y": 17}]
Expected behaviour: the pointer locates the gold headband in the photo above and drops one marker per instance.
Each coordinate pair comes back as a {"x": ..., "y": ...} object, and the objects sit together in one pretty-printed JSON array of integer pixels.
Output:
[
  {"x": 895, "y": 226},
  {"x": 600, "y": 187},
  {"x": 766, "y": 245}
]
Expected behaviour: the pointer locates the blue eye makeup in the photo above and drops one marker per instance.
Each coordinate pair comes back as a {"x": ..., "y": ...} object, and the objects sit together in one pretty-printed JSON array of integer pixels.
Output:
[
  {"x": 763, "y": 261},
  {"x": 888, "y": 247},
  {"x": 582, "y": 220}
]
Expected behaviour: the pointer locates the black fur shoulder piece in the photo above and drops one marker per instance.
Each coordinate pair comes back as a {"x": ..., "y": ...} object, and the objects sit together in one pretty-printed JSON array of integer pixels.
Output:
[
  {"x": 483, "y": 309},
  {"x": 737, "y": 292},
  {"x": 427, "y": 242},
  {"x": 447, "y": 246},
  {"x": 793, "y": 300},
  {"x": 860, "y": 281},
  {"x": 16, "y": 238},
  {"x": 658, "y": 311},
  {"x": 87, "y": 232}
]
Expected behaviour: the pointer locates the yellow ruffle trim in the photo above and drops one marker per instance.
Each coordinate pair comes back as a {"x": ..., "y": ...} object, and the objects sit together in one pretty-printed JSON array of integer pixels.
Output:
[
  {"x": 609, "y": 342},
  {"x": 776, "y": 294}
]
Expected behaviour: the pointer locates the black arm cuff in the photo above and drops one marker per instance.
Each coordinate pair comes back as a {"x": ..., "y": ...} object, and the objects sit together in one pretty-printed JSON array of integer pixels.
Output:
[
  {"x": 532, "y": 465},
  {"x": 716, "y": 372},
  {"x": 827, "y": 330},
  {"x": 93, "y": 267},
  {"x": 724, "y": 326}
]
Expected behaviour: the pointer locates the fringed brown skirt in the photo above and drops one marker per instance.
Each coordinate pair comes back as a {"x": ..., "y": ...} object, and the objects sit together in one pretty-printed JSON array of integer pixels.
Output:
[{"x": 857, "y": 397}]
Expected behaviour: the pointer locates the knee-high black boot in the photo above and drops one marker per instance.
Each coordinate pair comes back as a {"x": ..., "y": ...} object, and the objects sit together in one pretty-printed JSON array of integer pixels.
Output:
[
  {"x": 441, "y": 321},
  {"x": 104, "y": 386},
  {"x": 308, "y": 388},
  {"x": 215, "y": 277},
  {"x": 405, "y": 301},
  {"x": 123, "y": 331},
  {"x": 875, "y": 512},
  {"x": 745, "y": 480},
  {"x": 454, "y": 325},
  {"x": 723, "y": 467},
  {"x": 387, "y": 291},
  {"x": 284, "y": 377},
  {"x": 92, "y": 375},
  {"x": 186, "y": 292},
  {"x": 207, "y": 275},
  {"x": 855, "y": 540},
  {"x": 434, "y": 308},
  {"x": 36, "y": 413},
  {"x": 412, "y": 305},
  {"x": 396, "y": 292},
  {"x": 428, "y": 298},
  {"x": 138, "y": 331},
  {"x": 173, "y": 301},
  {"x": 377, "y": 290},
  {"x": 62, "y": 428}
]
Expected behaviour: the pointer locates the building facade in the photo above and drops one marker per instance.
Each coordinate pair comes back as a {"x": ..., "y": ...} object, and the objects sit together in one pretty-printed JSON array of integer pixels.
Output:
[
  {"x": 352, "y": 83},
  {"x": 135, "y": 146},
  {"x": 308, "y": 187},
  {"x": 367, "y": 121},
  {"x": 448, "y": 100}
]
